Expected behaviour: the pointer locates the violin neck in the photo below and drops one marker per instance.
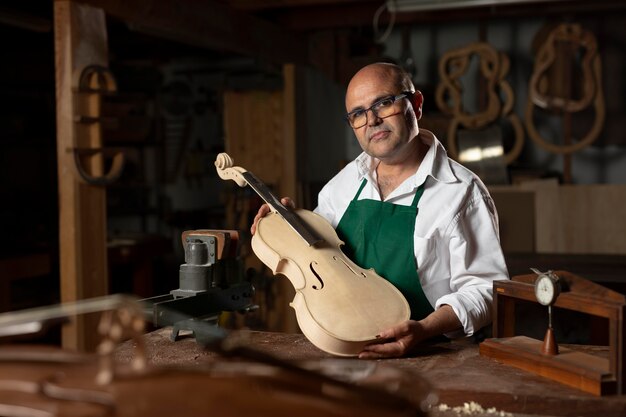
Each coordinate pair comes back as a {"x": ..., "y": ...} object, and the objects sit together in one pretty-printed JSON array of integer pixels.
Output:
[
  {"x": 263, "y": 191},
  {"x": 277, "y": 207}
]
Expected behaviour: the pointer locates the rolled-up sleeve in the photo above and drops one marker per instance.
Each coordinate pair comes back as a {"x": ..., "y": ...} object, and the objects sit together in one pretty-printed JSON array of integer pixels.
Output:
[{"x": 476, "y": 260}]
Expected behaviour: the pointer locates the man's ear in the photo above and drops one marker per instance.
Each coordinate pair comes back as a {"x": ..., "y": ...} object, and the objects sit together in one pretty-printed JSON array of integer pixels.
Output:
[{"x": 417, "y": 101}]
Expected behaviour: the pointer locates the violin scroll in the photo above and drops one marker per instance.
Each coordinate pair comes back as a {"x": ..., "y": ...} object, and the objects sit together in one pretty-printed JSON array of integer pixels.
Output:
[{"x": 226, "y": 170}]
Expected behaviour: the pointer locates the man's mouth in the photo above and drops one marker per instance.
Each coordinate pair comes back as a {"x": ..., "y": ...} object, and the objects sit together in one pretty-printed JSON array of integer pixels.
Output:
[{"x": 379, "y": 135}]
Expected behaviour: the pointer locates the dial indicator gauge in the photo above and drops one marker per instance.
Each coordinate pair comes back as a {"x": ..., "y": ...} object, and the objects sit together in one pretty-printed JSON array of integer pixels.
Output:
[{"x": 547, "y": 287}]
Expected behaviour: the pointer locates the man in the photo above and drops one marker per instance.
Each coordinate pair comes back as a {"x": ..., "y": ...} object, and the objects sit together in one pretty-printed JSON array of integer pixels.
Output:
[{"x": 421, "y": 220}]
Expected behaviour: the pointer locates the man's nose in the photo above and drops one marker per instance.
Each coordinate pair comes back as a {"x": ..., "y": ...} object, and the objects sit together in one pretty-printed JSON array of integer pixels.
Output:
[{"x": 372, "y": 118}]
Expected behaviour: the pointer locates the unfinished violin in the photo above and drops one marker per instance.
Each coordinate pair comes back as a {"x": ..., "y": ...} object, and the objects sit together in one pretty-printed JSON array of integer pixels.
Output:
[{"x": 340, "y": 307}]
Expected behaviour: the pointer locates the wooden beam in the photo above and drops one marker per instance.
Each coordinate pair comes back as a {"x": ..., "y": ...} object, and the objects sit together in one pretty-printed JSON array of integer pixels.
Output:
[
  {"x": 278, "y": 4},
  {"x": 288, "y": 186},
  {"x": 343, "y": 15},
  {"x": 289, "y": 177},
  {"x": 80, "y": 40},
  {"x": 210, "y": 25}
]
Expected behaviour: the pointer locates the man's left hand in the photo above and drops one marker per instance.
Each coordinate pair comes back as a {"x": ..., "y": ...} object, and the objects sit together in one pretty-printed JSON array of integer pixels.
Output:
[
  {"x": 405, "y": 336},
  {"x": 402, "y": 338}
]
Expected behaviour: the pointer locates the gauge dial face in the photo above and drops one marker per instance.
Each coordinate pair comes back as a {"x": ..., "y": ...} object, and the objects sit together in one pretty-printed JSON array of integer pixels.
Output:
[{"x": 546, "y": 290}]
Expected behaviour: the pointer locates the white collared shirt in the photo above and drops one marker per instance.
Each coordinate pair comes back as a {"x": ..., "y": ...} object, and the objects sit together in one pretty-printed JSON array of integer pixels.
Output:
[{"x": 457, "y": 244}]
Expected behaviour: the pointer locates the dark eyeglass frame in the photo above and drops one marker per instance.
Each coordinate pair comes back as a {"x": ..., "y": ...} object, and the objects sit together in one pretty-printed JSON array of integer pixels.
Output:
[{"x": 373, "y": 108}]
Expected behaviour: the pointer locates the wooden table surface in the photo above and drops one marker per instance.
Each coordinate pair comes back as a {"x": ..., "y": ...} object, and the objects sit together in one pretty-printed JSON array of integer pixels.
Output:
[{"x": 455, "y": 371}]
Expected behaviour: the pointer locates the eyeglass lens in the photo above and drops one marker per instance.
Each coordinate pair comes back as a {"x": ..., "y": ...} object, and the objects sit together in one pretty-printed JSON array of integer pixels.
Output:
[{"x": 381, "y": 109}]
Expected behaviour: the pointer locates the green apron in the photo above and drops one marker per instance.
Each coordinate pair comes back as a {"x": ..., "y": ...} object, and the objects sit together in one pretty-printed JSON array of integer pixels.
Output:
[{"x": 379, "y": 235}]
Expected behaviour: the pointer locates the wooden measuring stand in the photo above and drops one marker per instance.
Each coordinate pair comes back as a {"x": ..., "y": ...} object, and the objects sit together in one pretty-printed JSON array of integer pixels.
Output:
[{"x": 590, "y": 373}]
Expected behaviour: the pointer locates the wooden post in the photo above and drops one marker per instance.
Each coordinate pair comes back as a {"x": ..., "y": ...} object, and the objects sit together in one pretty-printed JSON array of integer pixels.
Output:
[
  {"x": 288, "y": 185},
  {"x": 80, "y": 39}
]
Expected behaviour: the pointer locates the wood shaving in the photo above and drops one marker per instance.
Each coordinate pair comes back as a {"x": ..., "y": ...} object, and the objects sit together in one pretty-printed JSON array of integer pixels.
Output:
[{"x": 473, "y": 408}]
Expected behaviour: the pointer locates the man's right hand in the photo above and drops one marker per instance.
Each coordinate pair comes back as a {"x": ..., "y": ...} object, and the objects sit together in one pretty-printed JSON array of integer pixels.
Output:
[{"x": 265, "y": 209}]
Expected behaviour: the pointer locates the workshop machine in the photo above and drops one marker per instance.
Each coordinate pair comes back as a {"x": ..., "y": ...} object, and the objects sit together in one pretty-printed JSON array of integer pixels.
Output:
[{"x": 211, "y": 280}]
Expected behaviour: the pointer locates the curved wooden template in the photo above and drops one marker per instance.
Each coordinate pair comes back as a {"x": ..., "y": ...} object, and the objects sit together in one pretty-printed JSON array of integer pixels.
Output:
[
  {"x": 518, "y": 145},
  {"x": 450, "y": 84},
  {"x": 491, "y": 67},
  {"x": 510, "y": 97},
  {"x": 99, "y": 75},
  {"x": 504, "y": 85},
  {"x": 117, "y": 166},
  {"x": 587, "y": 140},
  {"x": 545, "y": 58}
]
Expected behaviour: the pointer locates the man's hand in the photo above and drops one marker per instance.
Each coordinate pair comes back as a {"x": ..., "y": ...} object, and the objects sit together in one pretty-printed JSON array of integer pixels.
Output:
[
  {"x": 265, "y": 209},
  {"x": 405, "y": 336},
  {"x": 402, "y": 338}
]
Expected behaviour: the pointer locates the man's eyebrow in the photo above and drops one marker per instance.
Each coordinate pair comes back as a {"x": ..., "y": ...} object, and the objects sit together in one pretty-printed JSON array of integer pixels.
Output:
[{"x": 376, "y": 99}]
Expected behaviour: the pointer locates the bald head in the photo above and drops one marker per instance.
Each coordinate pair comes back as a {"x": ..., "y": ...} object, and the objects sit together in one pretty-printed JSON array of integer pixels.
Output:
[
  {"x": 389, "y": 74},
  {"x": 385, "y": 133}
]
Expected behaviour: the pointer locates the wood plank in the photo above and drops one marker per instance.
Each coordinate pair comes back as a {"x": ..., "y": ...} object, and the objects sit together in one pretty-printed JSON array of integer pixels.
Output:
[
  {"x": 289, "y": 174},
  {"x": 289, "y": 177},
  {"x": 253, "y": 124},
  {"x": 261, "y": 134},
  {"x": 568, "y": 219},
  {"x": 579, "y": 370},
  {"x": 209, "y": 24},
  {"x": 80, "y": 40},
  {"x": 548, "y": 225},
  {"x": 594, "y": 220}
]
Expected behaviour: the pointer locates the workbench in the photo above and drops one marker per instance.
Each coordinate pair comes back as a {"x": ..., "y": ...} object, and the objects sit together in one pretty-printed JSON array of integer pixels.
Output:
[{"x": 454, "y": 370}]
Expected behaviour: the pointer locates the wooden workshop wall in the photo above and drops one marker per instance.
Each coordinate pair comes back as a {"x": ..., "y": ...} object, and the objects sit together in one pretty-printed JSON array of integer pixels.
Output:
[
  {"x": 584, "y": 224},
  {"x": 579, "y": 219},
  {"x": 547, "y": 218},
  {"x": 260, "y": 136}
]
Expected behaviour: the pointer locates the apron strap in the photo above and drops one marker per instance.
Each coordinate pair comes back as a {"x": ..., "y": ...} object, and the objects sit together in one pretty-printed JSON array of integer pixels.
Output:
[
  {"x": 418, "y": 195},
  {"x": 416, "y": 198},
  {"x": 358, "y": 193}
]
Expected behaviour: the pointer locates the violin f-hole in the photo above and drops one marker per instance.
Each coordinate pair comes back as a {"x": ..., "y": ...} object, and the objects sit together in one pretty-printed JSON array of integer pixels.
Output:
[
  {"x": 349, "y": 267},
  {"x": 317, "y": 276}
]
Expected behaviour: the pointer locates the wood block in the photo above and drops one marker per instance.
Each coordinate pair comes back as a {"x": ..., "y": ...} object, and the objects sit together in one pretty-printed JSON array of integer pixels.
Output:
[{"x": 580, "y": 370}]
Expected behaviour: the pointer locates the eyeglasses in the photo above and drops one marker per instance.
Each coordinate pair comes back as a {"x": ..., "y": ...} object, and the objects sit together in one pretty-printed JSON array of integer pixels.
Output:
[{"x": 385, "y": 107}]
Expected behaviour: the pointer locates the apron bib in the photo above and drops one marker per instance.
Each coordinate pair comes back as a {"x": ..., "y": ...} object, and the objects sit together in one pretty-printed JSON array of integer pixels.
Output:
[{"x": 379, "y": 235}]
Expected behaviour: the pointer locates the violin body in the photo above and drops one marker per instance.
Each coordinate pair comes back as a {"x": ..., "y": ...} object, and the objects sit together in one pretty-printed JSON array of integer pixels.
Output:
[{"x": 340, "y": 307}]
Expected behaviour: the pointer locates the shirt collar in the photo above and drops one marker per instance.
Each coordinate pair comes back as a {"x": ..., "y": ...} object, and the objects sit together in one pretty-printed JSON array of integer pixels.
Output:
[{"x": 435, "y": 162}]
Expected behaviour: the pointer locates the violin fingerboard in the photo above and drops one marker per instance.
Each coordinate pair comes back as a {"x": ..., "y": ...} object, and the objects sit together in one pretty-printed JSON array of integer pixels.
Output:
[{"x": 290, "y": 217}]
